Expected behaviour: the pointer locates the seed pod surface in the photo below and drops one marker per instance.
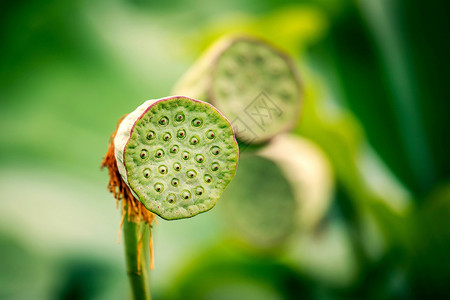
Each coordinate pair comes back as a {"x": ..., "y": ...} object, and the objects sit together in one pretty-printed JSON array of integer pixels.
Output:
[{"x": 163, "y": 153}]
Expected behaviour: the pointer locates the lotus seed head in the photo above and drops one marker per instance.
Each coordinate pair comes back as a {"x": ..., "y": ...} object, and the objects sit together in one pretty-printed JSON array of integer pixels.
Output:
[
  {"x": 159, "y": 153},
  {"x": 191, "y": 174},
  {"x": 197, "y": 122},
  {"x": 164, "y": 121},
  {"x": 162, "y": 169},
  {"x": 147, "y": 173},
  {"x": 181, "y": 134},
  {"x": 177, "y": 166},
  {"x": 174, "y": 149},
  {"x": 186, "y": 195},
  {"x": 144, "y": 154},
  {"x": 167, "y": 136},
  {"x": 171, "y": 198},
  {"x": 185, "y": 155},
  {"x": 151, "y": 135},
  {"x": 199, "y": 190},
  {"x": 179, "y": 117},
  {"x": 199, "y": 158},
  {"x": 158, "y": 187}
]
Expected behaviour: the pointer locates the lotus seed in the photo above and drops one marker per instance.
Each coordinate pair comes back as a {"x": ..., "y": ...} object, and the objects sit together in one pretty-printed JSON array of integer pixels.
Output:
[
  {"x": 177, "y": 166},
  {"x": 207, "y": 178},
  {"x": 199, "y": 190},
  {"x": 174, "y": 149},
  {"x": 191, "y": 173},
  {"x": 194, "y": 140},
  {"x": 171, "y": 198},
  {"x": 185, "y": 194},
  {"x": 181, "y": 134},
  {"x": 162, "y": 169},
  {"x": 147, "y": 173},
  {"x": 197, "y": 122},
  {"x": 144, "y": 154},
  {"x": 159, "y": 187},
  {"x": 175, "y": 182},
  {"x": 210, "y": 135},
  {"x": 185, "y": 155},
  {"x": 164, "y": 121},
  {"x": 151, "y": 135},
  {"x": 215, "y": 150},
  {"x": 159, "y": 153},
  {"x": 167, "y": 136},
  {"x": 179, "y": 117},
  {"x": 214, "y": 166},
  {"x": 199, "y": 158}
]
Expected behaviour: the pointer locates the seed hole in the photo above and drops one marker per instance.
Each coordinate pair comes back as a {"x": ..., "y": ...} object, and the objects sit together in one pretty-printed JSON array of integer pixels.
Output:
[
  {"x": 199, "y": 158},
  {"x": 159, "y": 153},
  {"x": 181, "y": 134},
  {"x": 176, "y": 166},
  {"x": 179, "y": 117},
  {"x": 151, "y": 135},
  {"x": 207, "y": 178},
  {"x": 194, "y": 140},
  {"x": 186, "y": 195},
  {"x": 162, "y": 169},
  {"x": 175, "y": 182},
  {"x": 158, "y": 187},
  {"x": 164, "y": 121},
  {"x": 167, "y": 136},
  {"x": 147, "y": 173},
  {"x": 171, "y": 198},
  {"x": 185, "y": 155},
  {"x": 144, "y": 154},
  {"x": 215, "y": 150},
  {"x": 199, "y": 190},
  {"x": 191, "y": 174},
  {"x": 197, "y": 122},
  {"x": 174, "y": 149},
  {"x": 210, "y": 135},
  {"x": 214, "y": 166}
]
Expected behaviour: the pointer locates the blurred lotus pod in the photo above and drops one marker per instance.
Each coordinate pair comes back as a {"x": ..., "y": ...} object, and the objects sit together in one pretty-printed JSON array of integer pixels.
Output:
[
  {"x": 287, "y": 187},
  {"x": 177, "y": 155},
  {"x": 254, "y": 84},
  {"x": 309, "y": 172},
  {"x": 260, "y": 205}
]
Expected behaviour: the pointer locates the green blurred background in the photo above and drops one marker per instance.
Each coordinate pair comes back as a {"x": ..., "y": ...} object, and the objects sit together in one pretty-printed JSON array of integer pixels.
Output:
[{"x": 375, "y": 75}]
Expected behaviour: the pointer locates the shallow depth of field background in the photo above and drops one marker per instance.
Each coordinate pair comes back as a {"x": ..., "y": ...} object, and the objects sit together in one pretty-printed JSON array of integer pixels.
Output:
[{"x": 376, "y": 103}]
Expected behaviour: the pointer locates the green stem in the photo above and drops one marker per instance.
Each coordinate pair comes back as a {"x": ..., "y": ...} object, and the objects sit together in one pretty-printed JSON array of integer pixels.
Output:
[{"x": 133, "y": 233}]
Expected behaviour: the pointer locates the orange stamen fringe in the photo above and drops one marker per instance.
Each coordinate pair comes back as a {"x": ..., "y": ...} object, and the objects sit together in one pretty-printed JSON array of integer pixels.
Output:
[{"x": 135, "y": 210}]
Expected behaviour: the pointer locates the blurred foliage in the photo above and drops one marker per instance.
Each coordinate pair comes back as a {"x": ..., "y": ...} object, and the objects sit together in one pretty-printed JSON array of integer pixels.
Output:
[{"x": 375, "y": 102}]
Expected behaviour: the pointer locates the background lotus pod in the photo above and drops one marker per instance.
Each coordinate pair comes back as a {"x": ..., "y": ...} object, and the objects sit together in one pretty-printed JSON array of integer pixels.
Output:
[
  {"x": 287, "y": 186},
  {"x": 251, "y": 82},
  {"x": 309, "y": 172},
  {"x": 177, "y": 155},
  {"x": 260, "y": 204}
]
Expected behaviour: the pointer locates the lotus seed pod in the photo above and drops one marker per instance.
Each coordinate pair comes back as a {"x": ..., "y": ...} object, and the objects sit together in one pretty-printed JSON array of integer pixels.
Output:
[
  {"x": 162, "y": 153},
  {"x": 261, "y": 203},
  {"x": 251, "y": 82},
  {"x": 309, "y": 172}
]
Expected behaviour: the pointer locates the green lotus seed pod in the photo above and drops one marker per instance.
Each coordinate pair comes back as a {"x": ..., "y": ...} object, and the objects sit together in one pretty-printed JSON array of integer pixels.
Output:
[
  {"x": 261, "y": 203},
  {"x": 162, "y": 154},
  {"x": 309, "y": 172},
  {"x": 254, "y": 84},
  {"x": 287, "y": 186}
]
